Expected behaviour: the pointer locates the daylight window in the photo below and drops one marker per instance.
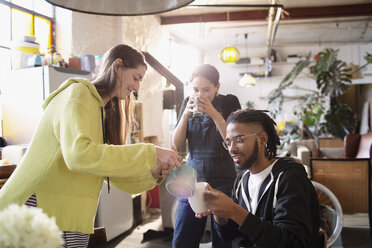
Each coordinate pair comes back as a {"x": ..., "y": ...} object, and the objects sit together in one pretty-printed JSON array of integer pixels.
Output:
[{"x": 26, "y": 17}]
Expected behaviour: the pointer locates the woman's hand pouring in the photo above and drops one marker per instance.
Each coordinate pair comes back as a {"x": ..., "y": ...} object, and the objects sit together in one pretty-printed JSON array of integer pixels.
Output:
[{"x": 166, "y": 160}]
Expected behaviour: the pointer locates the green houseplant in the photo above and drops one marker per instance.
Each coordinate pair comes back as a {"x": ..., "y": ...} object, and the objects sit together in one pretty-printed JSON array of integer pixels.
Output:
[
  {"x": 250, "y": 104},
  {"x": 332, "y": 79}
]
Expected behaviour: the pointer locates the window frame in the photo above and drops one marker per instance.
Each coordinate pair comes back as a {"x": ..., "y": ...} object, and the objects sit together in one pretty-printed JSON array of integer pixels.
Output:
[{"x": 33, "y": 13}]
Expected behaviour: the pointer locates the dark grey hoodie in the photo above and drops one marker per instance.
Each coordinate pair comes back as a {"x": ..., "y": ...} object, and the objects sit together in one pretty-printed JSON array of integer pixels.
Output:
[{"x": 287, "y": 213}]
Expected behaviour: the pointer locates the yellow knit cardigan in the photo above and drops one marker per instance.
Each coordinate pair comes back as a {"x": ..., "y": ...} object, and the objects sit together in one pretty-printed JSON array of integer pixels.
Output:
[{"x": 66, "y": 161}]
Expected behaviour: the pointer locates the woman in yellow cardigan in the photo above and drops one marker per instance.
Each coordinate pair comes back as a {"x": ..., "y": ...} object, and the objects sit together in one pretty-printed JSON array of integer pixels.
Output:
[{"x": 80, "y": 142}]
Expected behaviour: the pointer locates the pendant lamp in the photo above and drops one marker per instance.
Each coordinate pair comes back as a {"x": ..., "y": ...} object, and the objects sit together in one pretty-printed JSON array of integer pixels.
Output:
[
  {"x": 121, "y": 7},
  {"x": 230, "y": 55},
  {"x": 247, "y": 80}
]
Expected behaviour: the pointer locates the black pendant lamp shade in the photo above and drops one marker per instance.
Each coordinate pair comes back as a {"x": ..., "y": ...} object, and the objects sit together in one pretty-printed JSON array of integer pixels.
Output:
[{"x": 121, "y": 7}]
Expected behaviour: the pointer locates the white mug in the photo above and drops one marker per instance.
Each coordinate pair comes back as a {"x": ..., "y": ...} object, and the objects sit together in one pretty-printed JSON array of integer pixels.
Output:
[{"x": 197, "y": 199}]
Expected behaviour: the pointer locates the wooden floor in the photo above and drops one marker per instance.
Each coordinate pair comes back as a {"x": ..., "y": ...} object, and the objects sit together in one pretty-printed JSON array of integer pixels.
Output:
[
  {"x": 133, "y": 239},
  {"x": 355, "y": 233}
]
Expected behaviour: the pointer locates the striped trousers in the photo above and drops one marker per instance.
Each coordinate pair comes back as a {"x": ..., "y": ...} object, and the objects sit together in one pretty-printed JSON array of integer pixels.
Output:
[{"x": 72, "y": 239}]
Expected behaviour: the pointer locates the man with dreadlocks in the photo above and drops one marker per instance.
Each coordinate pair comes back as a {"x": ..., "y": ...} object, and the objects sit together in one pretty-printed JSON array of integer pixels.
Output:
[{"x": 273, "y": 203}]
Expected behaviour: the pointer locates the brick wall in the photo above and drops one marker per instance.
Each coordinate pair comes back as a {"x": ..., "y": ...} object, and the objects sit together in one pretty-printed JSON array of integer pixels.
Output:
[{"x": 79, "y": 33}]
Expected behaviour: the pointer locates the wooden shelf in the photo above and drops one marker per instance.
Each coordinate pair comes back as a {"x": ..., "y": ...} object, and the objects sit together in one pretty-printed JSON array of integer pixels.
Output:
[
  {"x": 280, "y": 63},
  {"x": 364, "y": 80}
]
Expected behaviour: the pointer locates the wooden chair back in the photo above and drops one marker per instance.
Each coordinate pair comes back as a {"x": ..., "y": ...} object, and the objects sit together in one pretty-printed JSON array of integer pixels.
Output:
[{"x": 348, "y": 179}]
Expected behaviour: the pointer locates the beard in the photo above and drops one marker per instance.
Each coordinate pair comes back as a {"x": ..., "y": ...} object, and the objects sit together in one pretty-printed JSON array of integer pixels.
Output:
[{"x": 252, "y": 159}]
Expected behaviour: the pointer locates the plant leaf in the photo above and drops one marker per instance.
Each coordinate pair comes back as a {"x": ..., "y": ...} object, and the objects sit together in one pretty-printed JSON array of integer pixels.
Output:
[
  {"x": 276, "y": 97},
  {"x": 340, "y": 120}
]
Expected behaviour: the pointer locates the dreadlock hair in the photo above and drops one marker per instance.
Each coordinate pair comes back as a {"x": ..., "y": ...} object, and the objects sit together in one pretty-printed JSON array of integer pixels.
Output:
[{"x": 258, "y": 117}]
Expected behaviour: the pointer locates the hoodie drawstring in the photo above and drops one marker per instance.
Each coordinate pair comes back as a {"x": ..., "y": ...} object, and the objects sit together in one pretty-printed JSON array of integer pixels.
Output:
[
  {"x": 276, "y": 190},
  {"x": 240, "y": 185}
]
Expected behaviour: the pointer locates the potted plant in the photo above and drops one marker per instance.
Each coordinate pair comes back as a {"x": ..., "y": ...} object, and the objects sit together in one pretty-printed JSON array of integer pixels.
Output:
[
  {"x": 74, "y": 63},
  {"x": 250, "y": 104},
  {"x": 332, "y": 78}
]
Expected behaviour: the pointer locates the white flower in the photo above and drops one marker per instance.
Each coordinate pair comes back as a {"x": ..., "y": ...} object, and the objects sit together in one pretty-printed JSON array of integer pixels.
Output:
[{"x": 23, "y": 226}]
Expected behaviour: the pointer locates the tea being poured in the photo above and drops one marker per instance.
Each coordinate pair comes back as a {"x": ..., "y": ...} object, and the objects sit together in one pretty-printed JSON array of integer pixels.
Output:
[{"x": 181, "y": 182}]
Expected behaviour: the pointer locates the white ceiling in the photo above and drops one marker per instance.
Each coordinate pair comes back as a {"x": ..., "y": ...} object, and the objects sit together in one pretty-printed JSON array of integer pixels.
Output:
[
  {"x": 286, "y": 3},
  {"x": 209, "y": 35}
]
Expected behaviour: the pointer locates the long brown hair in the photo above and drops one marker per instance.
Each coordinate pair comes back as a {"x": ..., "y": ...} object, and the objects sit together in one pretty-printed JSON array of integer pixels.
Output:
[
  {"x": 207, "y": 71},
  {"x": 117, "y": 112}
]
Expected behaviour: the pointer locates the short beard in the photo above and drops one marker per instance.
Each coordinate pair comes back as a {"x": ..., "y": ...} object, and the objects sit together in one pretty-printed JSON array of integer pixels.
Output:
[{"x": 252, "y": 159}]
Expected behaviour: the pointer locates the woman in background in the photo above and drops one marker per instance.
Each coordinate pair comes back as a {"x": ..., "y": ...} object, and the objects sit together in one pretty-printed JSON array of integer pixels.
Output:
[
  {"x": 80, "y": 142},
  {"x": 205, "y": 134}
]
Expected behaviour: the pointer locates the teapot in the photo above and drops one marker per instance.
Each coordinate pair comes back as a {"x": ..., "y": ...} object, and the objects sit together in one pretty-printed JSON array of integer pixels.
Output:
[{"x": 181, "y": 182}]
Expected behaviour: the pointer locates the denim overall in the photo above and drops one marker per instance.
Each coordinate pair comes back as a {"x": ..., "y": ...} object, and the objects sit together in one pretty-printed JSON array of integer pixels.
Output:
[{"x": 214, "y": 165}]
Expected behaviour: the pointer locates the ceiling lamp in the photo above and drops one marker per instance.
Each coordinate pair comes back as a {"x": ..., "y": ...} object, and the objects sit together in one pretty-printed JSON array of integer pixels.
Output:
[
  {"x": 247, "y": 79},
  {"x": 229, "y": 55},
  {"x": 121, "y": 7}
]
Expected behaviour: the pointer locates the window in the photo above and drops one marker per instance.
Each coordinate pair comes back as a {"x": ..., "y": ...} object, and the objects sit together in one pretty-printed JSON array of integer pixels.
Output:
[
  {"x": 5, "y": 26},
  {"x": 22, "y": 24},
  {"x": 26, "y": 17},
  {"x": 19, "y": 18},
  {"x": 43, "y": 33}
]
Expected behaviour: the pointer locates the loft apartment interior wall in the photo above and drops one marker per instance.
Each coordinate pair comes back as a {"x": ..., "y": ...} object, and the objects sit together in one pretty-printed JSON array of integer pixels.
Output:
[
  {"x": 352, "y": 53},
  {"x": 79, "y": 33},
  {"x": 305, "y": 26},
  {"x": 145, "y": 33}
]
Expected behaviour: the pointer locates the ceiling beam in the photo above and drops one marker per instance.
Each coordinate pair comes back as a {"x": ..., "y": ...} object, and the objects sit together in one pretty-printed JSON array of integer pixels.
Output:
[
  {"x": 272, "y": 26},
  {"x": 261, "y": 15}
]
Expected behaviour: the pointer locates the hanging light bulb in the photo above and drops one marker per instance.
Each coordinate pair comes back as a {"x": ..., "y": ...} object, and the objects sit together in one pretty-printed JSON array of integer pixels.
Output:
[
  {"x": 247, "y": 80},
  {"x": 230, "y": 55}
]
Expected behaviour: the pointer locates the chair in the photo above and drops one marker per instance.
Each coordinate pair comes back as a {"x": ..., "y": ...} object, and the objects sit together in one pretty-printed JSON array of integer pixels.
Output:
[
  {"x": 322, "y": 238},
  {"x": 358, "y": 146},
  {"x": 304, "y": 149},
  {"x": 349, "y": 178},
  {"x": 316, "y": 148},
  {"x": 331, "y": 216}
]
